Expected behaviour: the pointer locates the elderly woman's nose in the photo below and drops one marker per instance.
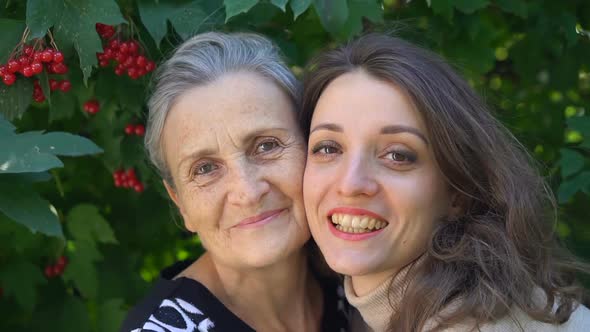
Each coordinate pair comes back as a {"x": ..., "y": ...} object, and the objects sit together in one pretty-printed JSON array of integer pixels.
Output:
[
  {"x": 247, "y": 186},
  {"x": 356, "y": 177}
]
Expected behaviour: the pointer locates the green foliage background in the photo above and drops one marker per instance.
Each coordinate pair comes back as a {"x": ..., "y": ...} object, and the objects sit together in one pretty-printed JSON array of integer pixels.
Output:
[{"x": 530, "y": 59}]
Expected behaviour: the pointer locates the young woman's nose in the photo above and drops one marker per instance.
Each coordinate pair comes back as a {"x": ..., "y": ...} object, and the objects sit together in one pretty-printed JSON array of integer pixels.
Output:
[{"x": 356, "y": 177}]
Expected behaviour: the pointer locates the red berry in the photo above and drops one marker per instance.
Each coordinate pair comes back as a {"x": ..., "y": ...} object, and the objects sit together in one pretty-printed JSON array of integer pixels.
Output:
[
  {"x": 62, "y": 261},
  {"x": 65, "y": 86},
  {"x": 108, "y": 53},
  {"x": 124, "y": 47},
  {"x": 92, "y": 106},
  {"x": 57, "y": 270},
  {"x": 53, "y": 84},
  {"x": 118, "y": 183},
  {"x": 114, "y": 44},
  {"x": 121, "y": 57},
  {"x": 3, "y": 71},
  {"x": 130, "y": 174},
  {"x": 119, "y": 70},
  {"x": 58, "y": 56},
  {"x": 24, "y": 61},
  {"x": 129, "y": 129},
  {"x": 129, "y": 62},
  {"x": 37, "y": 67},
  {"x": 138, "y": 187},
  {"x": 9, "y": 79},
  {"x": 132, "y": 72},
  {"x": 28, "y": 50},
  {"x": 141, "y": 61},
  {"x": 49, "y": 271},
  {"x": 47, "y": 55},
  {"x": 37, "y": 57},
  {"x": 13, "y": 66},
  {"x": 39, "y": 98},
  {"x": 59, "y": 68},
  {"x": 133, "y": 47},
  {"x": 139, "y": 130},
  {"x": 28, "y": 71}
]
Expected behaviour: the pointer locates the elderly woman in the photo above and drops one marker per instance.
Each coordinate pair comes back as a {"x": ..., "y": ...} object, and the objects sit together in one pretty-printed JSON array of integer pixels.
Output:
[
  {"x": 222, "y": 131},
  {"x": 425, "y": 202}
]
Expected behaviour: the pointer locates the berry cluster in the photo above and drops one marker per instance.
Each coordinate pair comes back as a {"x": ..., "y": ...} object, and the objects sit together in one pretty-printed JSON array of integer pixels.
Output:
[
  {"x": 138, "y": 129},
  {"x": 126, "y": 55},
  {"x": 29, "y": 62},
  {"x": 56, "y": 269},
  {"x": 127, "y": 179},
  {"x": 92, "y": 106}
]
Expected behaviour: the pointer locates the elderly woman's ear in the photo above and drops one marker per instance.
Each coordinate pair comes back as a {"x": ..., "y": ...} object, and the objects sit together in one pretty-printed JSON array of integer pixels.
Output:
[{"x": 174, "y": 197}]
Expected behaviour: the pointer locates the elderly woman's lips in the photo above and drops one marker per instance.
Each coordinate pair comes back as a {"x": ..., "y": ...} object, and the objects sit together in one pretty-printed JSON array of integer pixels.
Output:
[{"x": 260, "y": 219}]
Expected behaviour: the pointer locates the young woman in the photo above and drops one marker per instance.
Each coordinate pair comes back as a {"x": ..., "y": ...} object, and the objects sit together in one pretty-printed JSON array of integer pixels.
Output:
[{"x": 427, "y": 205}]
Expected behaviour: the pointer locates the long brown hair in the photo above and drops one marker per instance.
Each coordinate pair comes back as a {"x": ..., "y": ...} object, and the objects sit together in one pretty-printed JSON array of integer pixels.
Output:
[{"x": 502, "y": 252}]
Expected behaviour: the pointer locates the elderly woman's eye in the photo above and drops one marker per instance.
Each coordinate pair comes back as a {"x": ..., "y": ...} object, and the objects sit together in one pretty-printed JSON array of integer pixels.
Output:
[
  {"x": 267, "y": 146},
  {"x": 205, "y": 169}
]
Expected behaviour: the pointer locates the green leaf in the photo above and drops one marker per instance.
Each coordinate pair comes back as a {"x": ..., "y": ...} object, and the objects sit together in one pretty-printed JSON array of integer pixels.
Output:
[
  {"x": 333, "y": 14},
  {"x": 580, "y": 123},
  {"x": 74, "y": 316},
  {"x": 569, "y": 188},
  {"x": 63, "y": 106},
  {"x": 443, "y": 8},
  {"x": 299, "y": 6},
  {"x": 44, "y": 83},
  {"x": 282, "y": 4},
  {"x": 470, "y": 6},
  {"x": 74, "y": 24},
  {"x": 187, "y": 16},
  {"x": 35, "y": 152},
  {"x": 235, "y": 7},
  {"x": 20, "y": 202},
  {"x": 516, "y": 7},
  {"x": 20, "y": 280},
  {"x": 12, "y": 31},
  {"x": 6, "y": 128},
  {"x": 81, "y": 269},
  {"x": 110, "y": 315},
  {"x": 85, "y": 223},
  {"x": 571, "y": 162},
  {"x": 358, "y": 9},
  {"x": 15, "y": 99}
]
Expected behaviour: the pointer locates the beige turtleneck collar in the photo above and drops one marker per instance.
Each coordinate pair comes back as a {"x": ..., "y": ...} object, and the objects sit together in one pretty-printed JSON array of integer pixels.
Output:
[{"x": 378, "y": 306}]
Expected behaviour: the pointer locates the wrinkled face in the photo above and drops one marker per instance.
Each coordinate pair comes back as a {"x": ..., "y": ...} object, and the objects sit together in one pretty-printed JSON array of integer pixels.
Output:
[
  {"x": 236, "y": 156},
  {"x": 372, "y": 188}
]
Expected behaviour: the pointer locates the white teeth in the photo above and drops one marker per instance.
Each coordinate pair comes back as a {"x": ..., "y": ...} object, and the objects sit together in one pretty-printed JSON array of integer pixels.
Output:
[
  {"x": 364, "y": 222},
  {"x": 371, "y": 224},
  {"x": 356, "y": 224},
  {"x": 346, "y": 220}
]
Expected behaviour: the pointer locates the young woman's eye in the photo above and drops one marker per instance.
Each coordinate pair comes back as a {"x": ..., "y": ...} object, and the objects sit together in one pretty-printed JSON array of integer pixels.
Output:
[
  {"x": 267, "y": 145},
  {"x": 325, "y": 148},
  {"x": 401, "y": 157}
]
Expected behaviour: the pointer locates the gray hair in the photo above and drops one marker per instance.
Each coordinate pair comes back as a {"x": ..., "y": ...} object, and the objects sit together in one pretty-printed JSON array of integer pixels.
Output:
[{"x": 201, "y": 60}]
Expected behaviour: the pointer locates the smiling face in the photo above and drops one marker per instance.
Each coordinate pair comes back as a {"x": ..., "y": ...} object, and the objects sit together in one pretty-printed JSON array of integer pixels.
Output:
[
  {"x": 236, "y": 155},
  {"x": 372, "y": 188}
]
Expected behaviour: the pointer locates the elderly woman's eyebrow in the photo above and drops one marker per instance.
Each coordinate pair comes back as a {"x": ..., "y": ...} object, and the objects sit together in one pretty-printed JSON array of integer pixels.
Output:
[{"x": 265, "y": 131}]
